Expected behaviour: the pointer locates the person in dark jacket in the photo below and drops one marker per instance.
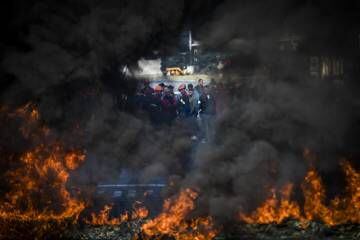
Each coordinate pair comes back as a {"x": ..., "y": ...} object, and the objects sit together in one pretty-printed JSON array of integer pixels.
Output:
[
  {"x": 168, "y": 104},
  {"x": 207, "y": 112},
  {"x": 200, "y": 87},
  {"x": 193, "y": 122},
  {"x": 145, "y": 96},
  {"x": 147, "y": 90},
  {"x": 155, "y": 106},
  {"x": 193, "y": 100},
  {"x": 183, "y": 104}
]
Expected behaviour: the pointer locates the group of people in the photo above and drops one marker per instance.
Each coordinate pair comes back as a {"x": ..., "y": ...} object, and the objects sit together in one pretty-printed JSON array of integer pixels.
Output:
[{"x": 195, "y": 106}]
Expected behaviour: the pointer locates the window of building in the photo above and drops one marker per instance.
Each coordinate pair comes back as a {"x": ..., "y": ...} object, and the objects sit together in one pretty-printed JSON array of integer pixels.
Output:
[
  {"x": 131, "y": 193},
  {"x": 117, "y": 194},
  {"x": 325, "y": 67},
  {"x": 332, "y": 67},
  {"x": 338, "y": 67}
]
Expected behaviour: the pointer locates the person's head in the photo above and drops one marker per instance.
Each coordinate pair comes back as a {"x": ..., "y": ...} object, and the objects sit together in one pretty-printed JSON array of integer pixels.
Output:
[
  {"x": 201, "y": 82},
  {"x": 167, "y": 91},
  {"x": 171, "y": 88},
  {"x": 190, "y": 89},
  {"x": 146, "y": 82},
  {"x": 182, "y": 89},
  {"x": 158, "y": 89}
]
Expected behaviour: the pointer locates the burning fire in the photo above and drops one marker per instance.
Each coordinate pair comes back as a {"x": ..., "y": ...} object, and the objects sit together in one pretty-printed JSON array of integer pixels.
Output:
[
  {"x": 314, "y": 198},
  {"x": 38, "y": 183},
  {"x": 173, "y": 220},
  {"x": 139, "y": 212},
  {"x": 37, "y": 192},
  {"x": 340, "y": 210},
  {"x": 103, "y": 217},
  {"x": 274, "y": 210}
]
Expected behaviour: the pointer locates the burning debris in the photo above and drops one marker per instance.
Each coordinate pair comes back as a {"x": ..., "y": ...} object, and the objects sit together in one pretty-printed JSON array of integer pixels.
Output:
[
  {"x": 103, "y": 217},
  {"x": 37, "y": 184},
  {"x": 275, "y": 210},
  {"x": 173, "y": 222},
  {"x": 38, "y": 200},
  {"x": 38, "y": 197},
  {"x": 341, "y": 210}
]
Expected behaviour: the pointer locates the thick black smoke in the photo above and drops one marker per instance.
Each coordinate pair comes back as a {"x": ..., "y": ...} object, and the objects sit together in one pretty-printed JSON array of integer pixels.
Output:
[
  {"x": 270, "y": 118},
  {"x": 69, "y": 56},
  {"x": 68, "y": 60}
]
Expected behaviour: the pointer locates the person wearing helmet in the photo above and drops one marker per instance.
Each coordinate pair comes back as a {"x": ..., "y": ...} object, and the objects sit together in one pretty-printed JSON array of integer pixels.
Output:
[
  {"x": 183, "y": 104},
  {"x": 155, "y": 106},
  {"x": 158, "y": 90}
]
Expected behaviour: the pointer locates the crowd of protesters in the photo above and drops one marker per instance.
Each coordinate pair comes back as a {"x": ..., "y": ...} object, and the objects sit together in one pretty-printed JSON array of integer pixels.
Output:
[{"x": 194, "y": 106}]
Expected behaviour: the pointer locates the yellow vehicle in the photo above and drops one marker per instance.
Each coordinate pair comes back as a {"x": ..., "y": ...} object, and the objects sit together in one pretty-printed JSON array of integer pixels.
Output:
[{"x": 174, "y": 71}]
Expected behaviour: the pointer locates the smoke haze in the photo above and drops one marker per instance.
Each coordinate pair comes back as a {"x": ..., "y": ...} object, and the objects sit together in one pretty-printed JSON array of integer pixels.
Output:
[{"x": 69, "y": 63}]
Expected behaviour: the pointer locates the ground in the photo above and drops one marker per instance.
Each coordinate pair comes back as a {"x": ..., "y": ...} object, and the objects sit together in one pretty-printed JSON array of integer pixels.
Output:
[{"x": 290, "y": 230}]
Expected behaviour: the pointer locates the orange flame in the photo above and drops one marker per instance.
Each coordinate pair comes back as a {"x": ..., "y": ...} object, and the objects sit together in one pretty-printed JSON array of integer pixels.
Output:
[
  {"x": 314, "y": 198},
  {"x": 351, "y": 203},
  {"x": 340, "y": 210},
  {"x": 172, "y": 221},
  {"x": 38, "y": 185},
  {"x": 274, "y": 210},
  {"x": 139, "y": 212},
  {"x": 103, "y": 217}
]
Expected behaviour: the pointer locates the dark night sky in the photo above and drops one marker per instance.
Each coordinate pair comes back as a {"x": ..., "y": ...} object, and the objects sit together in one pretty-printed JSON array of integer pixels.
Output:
[{"x": 16, "y": 16}]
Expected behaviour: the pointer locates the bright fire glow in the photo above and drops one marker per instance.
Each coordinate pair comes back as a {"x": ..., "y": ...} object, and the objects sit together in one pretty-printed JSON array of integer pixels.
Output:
[
  {"x": 173, "y": 222},
  {"x": 103, "y": 217},
  {"x": 340, "y": 210},
  {"x": 38, "y": 184},
  {"x": 275, "y": 210}
]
